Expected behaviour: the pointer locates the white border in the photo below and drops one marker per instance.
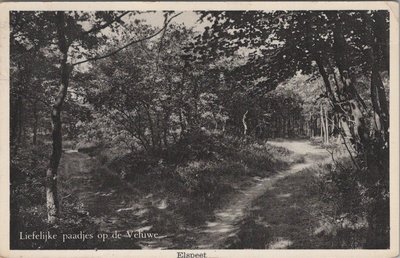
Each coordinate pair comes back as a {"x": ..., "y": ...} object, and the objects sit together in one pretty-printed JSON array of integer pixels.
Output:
[{"x": 393, "y": 7}]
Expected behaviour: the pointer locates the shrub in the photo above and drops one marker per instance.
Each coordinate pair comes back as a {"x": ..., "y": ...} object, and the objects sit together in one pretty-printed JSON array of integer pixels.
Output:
[
  {"x": 203, "y": 180},
  {"x": 339, "y": 186},
  {"x": 27, "y": 190},
  {"x": 133, "y": 164},
  {"x": 200, "y": 145}
]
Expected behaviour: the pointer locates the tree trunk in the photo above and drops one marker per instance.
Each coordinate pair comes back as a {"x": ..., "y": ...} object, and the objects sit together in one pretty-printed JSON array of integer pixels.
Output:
[
  {"x": 326, "y": 127},
  {"x": 379, "y": 101},
  {"x": 165, "y": 129},
  {"x": 382, "y": 35},
  {"x": 287, "y": 125},
  {"x": 377, "y": 155},
  {"x": 51, "y": 174},
  {"x": 325, "y": 78},
  {"x": 244, "y": 123},
  {"x": 181, "y": 122},
  {"x": 322, "y": 125}
]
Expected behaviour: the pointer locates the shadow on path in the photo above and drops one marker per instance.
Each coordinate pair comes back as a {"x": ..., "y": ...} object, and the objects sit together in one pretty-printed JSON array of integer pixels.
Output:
[{"x": 215, "y": 233}]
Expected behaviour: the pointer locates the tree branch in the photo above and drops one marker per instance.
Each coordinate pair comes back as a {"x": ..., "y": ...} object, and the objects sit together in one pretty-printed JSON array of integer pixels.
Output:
[
  {"x": 100, "y": 27},
  {"x": 129, "y": 44}
]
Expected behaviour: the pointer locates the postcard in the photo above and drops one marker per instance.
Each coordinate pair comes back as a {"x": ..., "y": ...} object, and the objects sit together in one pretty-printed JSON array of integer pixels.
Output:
[{"x": 199, "y": 129}]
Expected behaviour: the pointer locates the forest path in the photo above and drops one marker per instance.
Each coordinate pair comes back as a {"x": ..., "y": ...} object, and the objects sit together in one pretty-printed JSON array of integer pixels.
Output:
[
  {"x": 215, "y": 233},
  {"x": 121, "y": 207}
]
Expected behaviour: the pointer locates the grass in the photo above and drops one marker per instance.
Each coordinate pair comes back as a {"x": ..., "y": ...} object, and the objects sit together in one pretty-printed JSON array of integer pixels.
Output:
[
  {"x": 109, "y": 190},
  {"x": 191, "y": 189},
  {"x": 198, "y": 185},
  {"x": 175, "y": 195},
  {"x": 293, "y": 215}
]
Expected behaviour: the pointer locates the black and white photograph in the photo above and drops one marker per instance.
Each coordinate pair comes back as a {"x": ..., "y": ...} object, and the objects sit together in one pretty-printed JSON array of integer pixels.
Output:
[{"x": 200, "y": 129}]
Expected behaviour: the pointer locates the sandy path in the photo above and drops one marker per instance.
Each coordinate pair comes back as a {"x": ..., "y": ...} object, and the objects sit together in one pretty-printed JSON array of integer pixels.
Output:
[{"x": 216, "y": 232}]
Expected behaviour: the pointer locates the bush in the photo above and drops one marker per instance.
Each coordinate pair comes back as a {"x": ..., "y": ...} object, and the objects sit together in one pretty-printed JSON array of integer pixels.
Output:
[
  {"x": 339, "y": 186},
  {"x": 27, "y": 190},
  {"x": 201, "y": 145},
  {"x": 133, "y": 164},
  {"x": 204, "y": 180}
]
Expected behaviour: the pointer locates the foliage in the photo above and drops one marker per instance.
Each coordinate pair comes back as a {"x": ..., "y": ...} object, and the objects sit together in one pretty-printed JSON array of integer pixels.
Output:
[
  {"x": 344, "y": 48},
  {"x": 191, "y": 111}
]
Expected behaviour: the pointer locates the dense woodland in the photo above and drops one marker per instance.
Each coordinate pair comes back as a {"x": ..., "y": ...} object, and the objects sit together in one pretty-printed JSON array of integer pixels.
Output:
[{"x": 167, "y": 101}]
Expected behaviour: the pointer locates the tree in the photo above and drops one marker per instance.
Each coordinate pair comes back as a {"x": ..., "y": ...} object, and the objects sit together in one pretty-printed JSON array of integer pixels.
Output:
[
  {"x": 161, "y": 96},
  {"x": 317, "y": 42},
  {"x": 73, "y": 45}
]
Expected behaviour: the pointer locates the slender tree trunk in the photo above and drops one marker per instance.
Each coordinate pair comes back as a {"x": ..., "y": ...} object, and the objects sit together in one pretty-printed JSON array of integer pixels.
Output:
[
  {"x": 379, "y": 101},
  {"x": 215, "y": 121},
  {"x": 287, "y": 126},
  {"x": 165, "y": 129},
  {"x": 51, "y": 174},
  {"x": 326, "y": 126},
  {"x": 244, "y": 122},
  {"x": 315, "y": 126},
  {"x": 151, "y": 127},
  {"x": 158, "y": 130},
  {"x": 322, "y": 124},
  {"x": 181, "y": 122}
]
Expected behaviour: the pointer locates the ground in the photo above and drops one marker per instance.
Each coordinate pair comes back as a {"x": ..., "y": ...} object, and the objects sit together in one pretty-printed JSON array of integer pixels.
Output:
[
  {"x": 124, "y": 208},
  {"x": 227, "y": 223}
]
